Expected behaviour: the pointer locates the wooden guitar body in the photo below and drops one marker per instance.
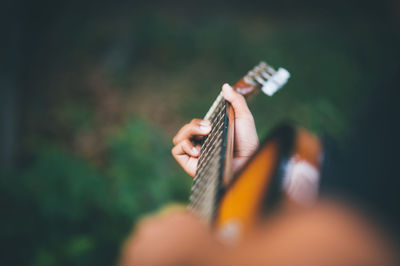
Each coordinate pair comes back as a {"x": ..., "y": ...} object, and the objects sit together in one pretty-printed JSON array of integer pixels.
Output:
[
  {"x": 214, "y": 168},
  {"x": 285, "y": 170}
]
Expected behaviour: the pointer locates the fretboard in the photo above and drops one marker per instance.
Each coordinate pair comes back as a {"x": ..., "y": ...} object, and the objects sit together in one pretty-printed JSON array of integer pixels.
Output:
[
  {"x": 211, "y": 161},
  {"x": 213, "y": 155}
]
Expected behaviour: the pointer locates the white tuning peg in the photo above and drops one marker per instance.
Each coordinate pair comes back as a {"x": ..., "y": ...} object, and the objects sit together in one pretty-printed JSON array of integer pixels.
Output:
[{"x": 276, "y": 81}]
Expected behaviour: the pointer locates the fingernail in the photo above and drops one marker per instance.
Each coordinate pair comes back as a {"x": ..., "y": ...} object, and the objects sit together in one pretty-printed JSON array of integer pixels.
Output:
[
  {"x": 205, "y": 123},
  {"x": 227, "y": 87},
  {"x": 195, "y": 150},
  {"x": 205, "y": 128},
  {"x": 227, "y": 91}
]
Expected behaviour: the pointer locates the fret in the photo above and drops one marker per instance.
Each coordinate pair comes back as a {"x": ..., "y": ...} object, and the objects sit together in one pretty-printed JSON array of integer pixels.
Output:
[
  {"x": 204, "y": 186},
  {"x": 207, "y": 160},
  {"x": 208, "y": 141},
  {"x": 207, "y": 148},
  {"x": 217, "y": 101}
]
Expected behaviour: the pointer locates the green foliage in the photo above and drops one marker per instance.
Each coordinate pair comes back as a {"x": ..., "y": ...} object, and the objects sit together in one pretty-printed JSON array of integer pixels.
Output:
[
  {"x": 141, "y": 152},
  {"x": 66, "y": 211},
  {"x": 89, "y": 70}
]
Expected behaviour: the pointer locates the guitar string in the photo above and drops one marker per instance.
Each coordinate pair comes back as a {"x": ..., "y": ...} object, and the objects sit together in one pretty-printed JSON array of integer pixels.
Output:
[
  {"x": 203, "y": 192},
  {"x": 203, "y": 189}
]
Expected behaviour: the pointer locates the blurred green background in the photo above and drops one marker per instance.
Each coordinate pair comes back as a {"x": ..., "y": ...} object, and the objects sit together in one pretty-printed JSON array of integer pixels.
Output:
[{"x": 92, "y": 93}]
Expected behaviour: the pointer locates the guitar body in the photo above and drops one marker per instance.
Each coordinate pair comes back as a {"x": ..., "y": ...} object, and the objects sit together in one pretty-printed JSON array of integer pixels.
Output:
[
  {"x": 284, "y": 171},
  {"x": 214, "y": 168}
]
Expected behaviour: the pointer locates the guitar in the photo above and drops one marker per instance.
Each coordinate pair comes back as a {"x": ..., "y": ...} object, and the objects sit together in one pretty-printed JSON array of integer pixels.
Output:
[{"x": 285, "y": 169}]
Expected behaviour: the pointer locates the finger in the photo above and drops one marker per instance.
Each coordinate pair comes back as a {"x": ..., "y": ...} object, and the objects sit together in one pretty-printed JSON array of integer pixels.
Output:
[
  {"x": 187, "y": 156},
  {"x": 246, "y": 139},
  {"x": 186, "y": 147},
  {"x": 196, "y": 127},
  {"x": 238, "y": 102}
]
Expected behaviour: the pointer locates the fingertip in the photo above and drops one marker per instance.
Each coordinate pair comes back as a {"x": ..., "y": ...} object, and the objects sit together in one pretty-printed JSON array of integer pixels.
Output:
[
  {"x": 226, "y": 87},
  {"x": 195, "y": 150},
  {"x": 205, "y": 129},
  {"x": 204, "y": 126},
  {"x": 205, "y": 123},
  {"x": 227, "y": 91}
]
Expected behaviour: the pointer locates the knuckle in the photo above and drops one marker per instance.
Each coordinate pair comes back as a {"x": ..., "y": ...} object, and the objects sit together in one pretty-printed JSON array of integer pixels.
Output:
[
  {"x": 195, "y": 121},
  {"x": 187, "y": 146},
  {"x": 193, "y": 130}
]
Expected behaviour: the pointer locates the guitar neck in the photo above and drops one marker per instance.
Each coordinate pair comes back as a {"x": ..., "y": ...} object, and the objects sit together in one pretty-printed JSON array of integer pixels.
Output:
[
  {"x": 214, "y": 165},
  {"x": 211, "y": 161}
]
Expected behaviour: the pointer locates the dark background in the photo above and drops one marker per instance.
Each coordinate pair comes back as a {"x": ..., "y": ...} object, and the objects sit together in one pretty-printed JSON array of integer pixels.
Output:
[{"x": 93, "y": 91}]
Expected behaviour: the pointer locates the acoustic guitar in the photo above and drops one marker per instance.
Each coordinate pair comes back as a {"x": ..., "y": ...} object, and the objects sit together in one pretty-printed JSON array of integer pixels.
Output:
[{"x": 285, "y": 169}]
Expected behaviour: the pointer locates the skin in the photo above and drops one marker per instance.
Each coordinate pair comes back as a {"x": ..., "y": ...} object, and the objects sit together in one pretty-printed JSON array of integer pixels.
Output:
[
  {"x": 186, "y": 153},
  {"x": 328, "y": 233}
]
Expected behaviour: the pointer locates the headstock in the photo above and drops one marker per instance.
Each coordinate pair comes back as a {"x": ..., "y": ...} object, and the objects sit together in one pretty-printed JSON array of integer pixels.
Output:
[{"x": 262, "y": 77}]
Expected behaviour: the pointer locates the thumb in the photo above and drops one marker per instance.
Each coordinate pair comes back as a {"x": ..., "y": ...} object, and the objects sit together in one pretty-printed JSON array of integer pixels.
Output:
[{"x": 237, "y": 101}]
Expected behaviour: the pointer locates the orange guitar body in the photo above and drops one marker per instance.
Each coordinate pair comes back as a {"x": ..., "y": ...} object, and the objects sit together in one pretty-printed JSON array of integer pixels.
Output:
[
  {"x": 265, "y": 182},
  {"x": 284, "y": 170}
]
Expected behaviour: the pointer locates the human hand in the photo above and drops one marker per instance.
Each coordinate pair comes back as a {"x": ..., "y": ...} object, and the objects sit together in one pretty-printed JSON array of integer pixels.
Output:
[{"x": 245, "y": 142}]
